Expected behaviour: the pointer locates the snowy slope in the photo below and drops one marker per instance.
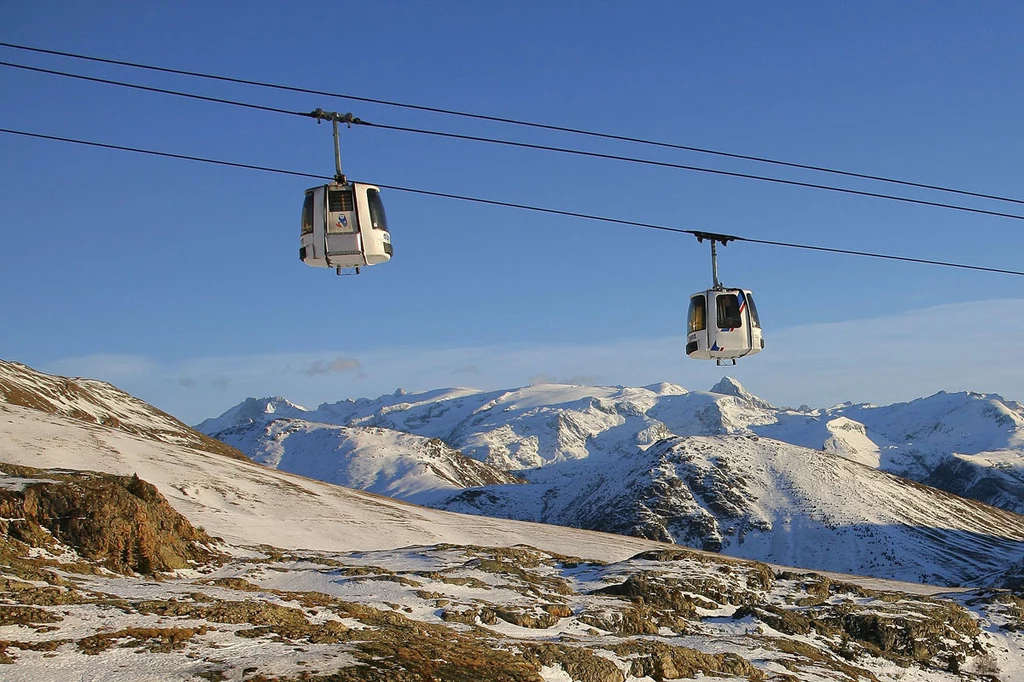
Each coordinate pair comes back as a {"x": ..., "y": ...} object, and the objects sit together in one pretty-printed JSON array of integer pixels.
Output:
[
  {"x": 611, "y": 462},
  {"x": 372, "y": 458},
  {"x": 970, "y": 444},
  {"x": 767, "y": 500},
  {"x": 254, "y": 411},
  {"x": 914, "y": 436},
  {"x": 489, "y": 614},
  {"x": 247, "y": 504},
  {"x": 98, "y": 402}
]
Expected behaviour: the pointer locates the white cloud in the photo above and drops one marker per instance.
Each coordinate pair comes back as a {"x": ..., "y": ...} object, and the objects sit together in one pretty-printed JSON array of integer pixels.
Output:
[{"x": 887, "y": 359}]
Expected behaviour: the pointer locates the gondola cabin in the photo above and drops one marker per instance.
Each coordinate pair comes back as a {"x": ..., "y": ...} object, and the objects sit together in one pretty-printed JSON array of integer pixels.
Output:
[
  {"x": 723, "y": 326},
  {"x": 344, "y": 226}
]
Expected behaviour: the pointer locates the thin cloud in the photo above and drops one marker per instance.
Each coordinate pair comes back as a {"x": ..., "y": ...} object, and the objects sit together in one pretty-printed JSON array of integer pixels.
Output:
[
  {"x": 110, "y": 367},
  {"x": 338, "y": 364}
]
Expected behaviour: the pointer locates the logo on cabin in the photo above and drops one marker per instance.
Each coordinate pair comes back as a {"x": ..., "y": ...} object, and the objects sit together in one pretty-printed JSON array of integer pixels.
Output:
[{"x": 342, "y": 220}]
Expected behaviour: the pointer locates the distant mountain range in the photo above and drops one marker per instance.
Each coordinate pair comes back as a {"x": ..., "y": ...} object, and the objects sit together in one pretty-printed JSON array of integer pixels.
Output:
[{"x": 854, "y": 488}]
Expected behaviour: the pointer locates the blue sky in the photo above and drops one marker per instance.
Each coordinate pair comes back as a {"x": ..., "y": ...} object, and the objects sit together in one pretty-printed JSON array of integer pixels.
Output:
[{"x": 180, "y": 282}]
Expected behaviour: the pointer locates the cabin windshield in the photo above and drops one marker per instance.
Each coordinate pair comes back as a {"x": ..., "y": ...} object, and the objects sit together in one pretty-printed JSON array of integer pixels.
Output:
[
  {"x": 728, "y": 306},
  {"x": 376, "y": 206},
  {"x": 698, "y": 314},
  {"x": 340, "y": 203},
  {"x": 339, "y": 200},
  {"x": 307, "y": 213},
  {"x": 755, "y": 321}
]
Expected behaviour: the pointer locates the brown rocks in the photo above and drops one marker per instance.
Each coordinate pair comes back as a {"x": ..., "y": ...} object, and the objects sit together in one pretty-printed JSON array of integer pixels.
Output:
[{"x": 120, "y": 521}]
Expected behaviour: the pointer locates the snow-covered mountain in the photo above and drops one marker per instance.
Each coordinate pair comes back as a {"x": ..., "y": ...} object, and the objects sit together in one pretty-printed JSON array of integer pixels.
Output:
[
  {"x": 762, "y": 499},
  {"x": 967, "y": 443},
  {"x": 721, "y": 470},
  {"x": 372, "y": 458},
  {"x": 98, "y": 402},
  {"x": 306, "y": 580}
]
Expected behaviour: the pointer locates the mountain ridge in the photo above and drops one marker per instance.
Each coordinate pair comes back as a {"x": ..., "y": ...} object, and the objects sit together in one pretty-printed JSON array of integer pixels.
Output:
[
  {"x": 98, "y": 402},
  {"x": 727, "y": 471},
  {"x": 535, "y": 426}
]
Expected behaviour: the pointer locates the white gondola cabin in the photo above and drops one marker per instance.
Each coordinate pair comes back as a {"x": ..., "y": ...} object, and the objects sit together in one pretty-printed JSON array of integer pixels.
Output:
[
  {"x": 722, "y": 323},
  {"x": 723, "y": 326},
  {"x": 344, "y": 226}
]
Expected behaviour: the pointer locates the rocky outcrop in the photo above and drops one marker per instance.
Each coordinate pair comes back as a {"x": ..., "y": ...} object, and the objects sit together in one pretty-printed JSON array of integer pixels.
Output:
[{"x": 121, "y": 522}]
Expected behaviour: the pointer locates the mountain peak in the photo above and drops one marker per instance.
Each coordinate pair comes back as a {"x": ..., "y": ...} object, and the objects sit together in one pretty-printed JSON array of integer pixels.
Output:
[
  {"x": 666, "y": 388},
  {"x": 269, "y": 405},
  {"x": 730, "y": 386},
  {"x": 252, "y": 410}
]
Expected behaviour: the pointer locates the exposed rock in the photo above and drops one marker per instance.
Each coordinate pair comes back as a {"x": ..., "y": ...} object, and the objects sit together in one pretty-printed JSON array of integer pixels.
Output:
[
  {"x": 634, "y": 619},
  {"x": 157, "y": 640},
  {"x": 655, "y": 590},
  {"x": 120, "y": 521},
  {"x": 662, "y": 661},
  {"x": 26, "y": 615},
  {"x": 531, "y": 617},
  {"x": 581, "y": 664},
  {"x": 928, "y": 631}
]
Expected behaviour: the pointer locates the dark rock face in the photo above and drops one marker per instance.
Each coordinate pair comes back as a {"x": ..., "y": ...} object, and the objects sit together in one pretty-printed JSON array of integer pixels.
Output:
[
  {"x": 122, "y": 522},
  {"x": 978, "y": 482},
  {"x": 579, "y": 663}
]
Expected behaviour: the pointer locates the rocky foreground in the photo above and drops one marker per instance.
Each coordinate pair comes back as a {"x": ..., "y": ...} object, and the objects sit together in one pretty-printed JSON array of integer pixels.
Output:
[{"x": 145, "y": 595}]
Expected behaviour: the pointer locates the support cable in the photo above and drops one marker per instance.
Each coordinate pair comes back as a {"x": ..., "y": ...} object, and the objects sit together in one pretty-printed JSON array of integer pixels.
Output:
[
  {"x": 147, "y": 88},
  {"x": 697, "y": 169},
  {"x": 319, "y": 114},
  {"x": 522, "y": 123},
  {"x": 527, "y": 207}
]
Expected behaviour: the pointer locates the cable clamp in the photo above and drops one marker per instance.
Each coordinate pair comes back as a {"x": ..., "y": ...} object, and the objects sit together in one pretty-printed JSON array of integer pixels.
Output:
[
  {"x": 722, "y": 239},
  {"x": 348, "y": 119}
]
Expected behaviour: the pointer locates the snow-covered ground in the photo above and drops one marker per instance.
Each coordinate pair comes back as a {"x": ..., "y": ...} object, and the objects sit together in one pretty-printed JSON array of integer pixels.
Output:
[
  {"x": 369, "y": 585},
  {"x": 248, "y": 504}
]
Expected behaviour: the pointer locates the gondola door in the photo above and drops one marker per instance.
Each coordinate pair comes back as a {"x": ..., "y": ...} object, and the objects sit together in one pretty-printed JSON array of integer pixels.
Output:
[
  {"x": 731, "y": 335},
  {"x": 344, "y": 243}
]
